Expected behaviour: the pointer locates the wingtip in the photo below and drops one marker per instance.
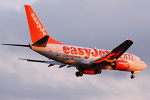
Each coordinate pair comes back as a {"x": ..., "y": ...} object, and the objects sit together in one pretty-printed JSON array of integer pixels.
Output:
[
  {"x": 21, "y": 59},
  {"x": 129, "y": 40},
  {"x": 21, "y": 45},
  {"x": 4, "y": 44}
]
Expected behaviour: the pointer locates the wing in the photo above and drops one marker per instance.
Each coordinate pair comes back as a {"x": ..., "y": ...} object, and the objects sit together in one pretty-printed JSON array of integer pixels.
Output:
[
  {"x": 115, "y": 53},
  {"x": 51, "y": 63}
]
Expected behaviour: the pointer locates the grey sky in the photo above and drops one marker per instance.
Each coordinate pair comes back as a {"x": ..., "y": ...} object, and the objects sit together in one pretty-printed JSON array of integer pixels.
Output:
[{"x": 89, "y": 23}]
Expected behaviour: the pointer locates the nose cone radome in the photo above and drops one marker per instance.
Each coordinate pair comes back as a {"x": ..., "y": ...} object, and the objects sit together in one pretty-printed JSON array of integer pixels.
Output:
[{"x": 144, "y": 66}]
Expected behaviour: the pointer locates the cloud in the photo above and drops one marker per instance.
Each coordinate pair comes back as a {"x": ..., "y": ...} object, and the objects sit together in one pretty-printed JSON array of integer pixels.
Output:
[
  {"x": 104, "y": 24},
  {"x": 15, "y": 4}
]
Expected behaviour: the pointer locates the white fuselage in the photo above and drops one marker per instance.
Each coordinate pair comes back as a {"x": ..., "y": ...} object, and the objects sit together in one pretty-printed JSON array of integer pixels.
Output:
[{"x": 80, "y": 56}]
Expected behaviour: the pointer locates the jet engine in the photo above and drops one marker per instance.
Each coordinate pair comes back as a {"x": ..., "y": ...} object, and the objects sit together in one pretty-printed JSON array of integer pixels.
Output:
[{"x": 120, "y": 65}]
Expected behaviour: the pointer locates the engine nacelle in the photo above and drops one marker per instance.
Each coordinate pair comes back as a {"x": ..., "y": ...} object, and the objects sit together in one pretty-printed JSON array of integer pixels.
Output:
[{"x": 120, "y": 65}]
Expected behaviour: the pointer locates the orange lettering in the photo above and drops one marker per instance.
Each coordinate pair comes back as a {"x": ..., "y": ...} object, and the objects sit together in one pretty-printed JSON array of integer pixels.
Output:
[
  {"x": 88, "y": 51},
  {"x": 95, "y": 54},
  {"x": 106, "y": 51},
  {"x": 66, "y": 49},
  {"x": 73, "y": 50},
  {"x": 80, "y": 51}
]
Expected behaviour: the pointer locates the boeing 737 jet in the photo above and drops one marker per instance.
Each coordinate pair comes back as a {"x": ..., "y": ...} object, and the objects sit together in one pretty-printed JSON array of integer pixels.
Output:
[{"x": 85, "y": 60}]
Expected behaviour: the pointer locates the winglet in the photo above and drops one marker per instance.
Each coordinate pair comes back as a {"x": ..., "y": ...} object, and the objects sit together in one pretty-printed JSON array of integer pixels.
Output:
[{"x": 37, "y": 30}]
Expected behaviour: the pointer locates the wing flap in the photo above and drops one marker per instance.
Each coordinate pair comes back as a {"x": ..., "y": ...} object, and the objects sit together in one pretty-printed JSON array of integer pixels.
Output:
[
  {"x": 51, "y": 63},
  {"x": 41, "y": 61}
]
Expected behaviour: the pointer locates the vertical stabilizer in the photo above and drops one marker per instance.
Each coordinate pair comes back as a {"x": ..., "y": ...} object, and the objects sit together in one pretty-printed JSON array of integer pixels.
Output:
[{"x": 37, "y": 30}]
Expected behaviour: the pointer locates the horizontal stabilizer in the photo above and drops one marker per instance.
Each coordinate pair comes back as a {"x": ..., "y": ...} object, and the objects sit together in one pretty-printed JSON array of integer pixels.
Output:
[{"x": 17, "y": 45}]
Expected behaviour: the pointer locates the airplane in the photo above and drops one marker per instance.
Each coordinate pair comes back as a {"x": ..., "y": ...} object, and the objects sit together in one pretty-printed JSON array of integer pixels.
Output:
[{"x": 86, "y": 60}]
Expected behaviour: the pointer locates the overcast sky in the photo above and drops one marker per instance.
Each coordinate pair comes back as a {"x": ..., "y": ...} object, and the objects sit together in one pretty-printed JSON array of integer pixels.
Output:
[{"x": 90, "y": 23}]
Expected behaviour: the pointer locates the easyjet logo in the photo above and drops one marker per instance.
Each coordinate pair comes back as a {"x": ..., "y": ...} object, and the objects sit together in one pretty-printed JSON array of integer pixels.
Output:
[
  {"x": 92, "y": 52},
  {"x": 126, "y": 64},
  {"x": 84, "y": 51},
  {"x": 127, "y": 57},
  {"x": 39, "y": 25}
]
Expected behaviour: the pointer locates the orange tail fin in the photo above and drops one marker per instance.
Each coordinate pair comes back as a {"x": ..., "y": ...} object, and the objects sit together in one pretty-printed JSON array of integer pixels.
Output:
[{"x": 37, "y": 30}]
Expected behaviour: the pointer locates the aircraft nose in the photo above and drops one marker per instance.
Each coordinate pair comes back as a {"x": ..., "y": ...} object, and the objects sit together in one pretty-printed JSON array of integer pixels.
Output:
[{"x": 144, "y": 65}]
